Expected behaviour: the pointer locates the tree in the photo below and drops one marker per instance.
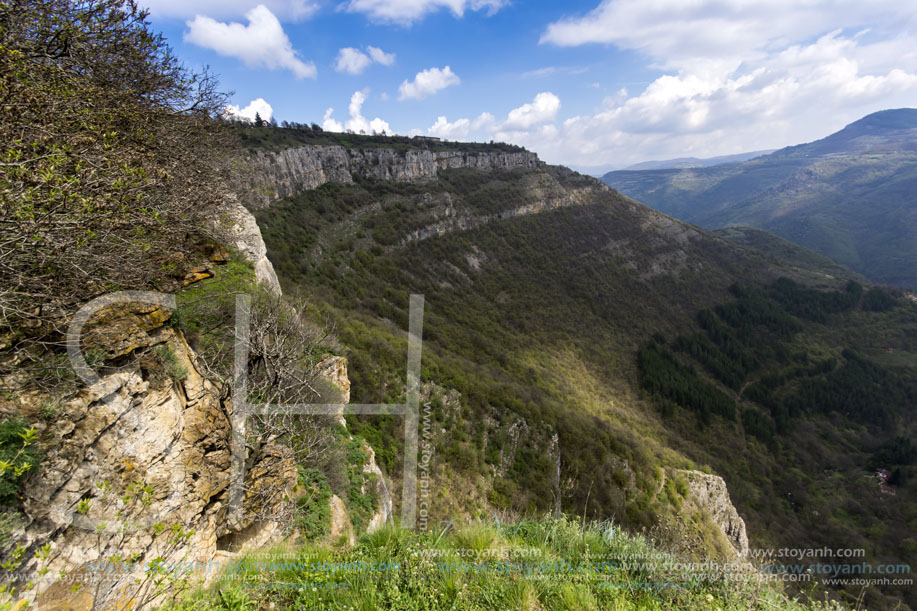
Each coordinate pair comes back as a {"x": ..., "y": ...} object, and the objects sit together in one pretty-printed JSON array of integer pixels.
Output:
[
  {"x": 100, "y": 164},
  {"x": 285, "y": 351},
  {"x": 259, "y": 122}
]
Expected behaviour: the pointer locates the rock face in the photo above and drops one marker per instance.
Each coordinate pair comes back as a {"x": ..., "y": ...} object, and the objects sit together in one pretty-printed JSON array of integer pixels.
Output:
[
  {"x": 242, "y": 230},
  {"x": 291, "y": 171},
  {"x": 383, "y": 513},
  {"x": 709, "y": 492},
  {"x": 137, "y": 468},
  {"x": 452, "y": 219},
  {"x": 334, "y": 369},
  {"x": 340, "y": 521}
]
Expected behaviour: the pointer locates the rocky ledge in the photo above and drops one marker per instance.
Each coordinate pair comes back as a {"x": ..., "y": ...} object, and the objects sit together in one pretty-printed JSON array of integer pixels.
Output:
[{"x": 291, "y": 171}]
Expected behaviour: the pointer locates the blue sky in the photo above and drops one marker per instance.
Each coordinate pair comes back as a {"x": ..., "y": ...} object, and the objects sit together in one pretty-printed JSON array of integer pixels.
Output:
[{"x": 593, "y": 84}]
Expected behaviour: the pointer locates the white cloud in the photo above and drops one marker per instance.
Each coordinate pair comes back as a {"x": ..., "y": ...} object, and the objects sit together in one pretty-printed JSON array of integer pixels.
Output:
[
  {"x": 285, "y": 10},
  {"x": 329, "y": 124},
  {"x": 541, "y": 110},
  {"x": 450, "y": 131},
  {"x": 678, "y": 33},
  {"x": 259, "y": 107},
  {"x": 405, "y": 12},
  {"x": 735, "y": 75},
  {"x": 427, "y": 83},
  {"x": 800, "y": 93},
  {"x": 460, "y": 129},
  {"x": 381, "y": 57},
  {"x": 485, "y": 121},
  {"x": 354, "y": 61},
  {"x": 260, "y": 44},
  {"x": 357, "y": 122}
]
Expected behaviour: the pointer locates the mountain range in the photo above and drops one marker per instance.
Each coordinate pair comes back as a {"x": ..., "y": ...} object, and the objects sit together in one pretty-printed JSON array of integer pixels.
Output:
[{"x": 849, "y": 196}]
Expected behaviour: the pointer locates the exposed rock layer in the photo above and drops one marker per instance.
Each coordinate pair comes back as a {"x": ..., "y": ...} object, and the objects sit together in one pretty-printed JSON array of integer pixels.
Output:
[
  {"x": 292, "y": 171},
  {"x": 710, "y": 493},
  {"x": 138, "y": 468}
]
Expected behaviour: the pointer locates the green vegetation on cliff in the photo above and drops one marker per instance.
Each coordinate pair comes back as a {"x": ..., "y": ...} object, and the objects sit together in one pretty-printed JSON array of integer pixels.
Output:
[
  {"x": 549, "y": 564},
  {"x": 542, "y": 323}
]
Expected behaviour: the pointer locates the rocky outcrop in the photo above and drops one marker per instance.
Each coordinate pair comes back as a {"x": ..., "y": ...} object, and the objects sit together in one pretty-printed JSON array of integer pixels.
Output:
[
  {"x": 294, "y": 170},
  {"x": 341, "y": 526},
  {"x": 240, "y": 228},
  {"x": 454, "y": 220},
  {"x": 137, "y": 467},
  {"x": 334, "y": 369},
  {"x": 378, "y": 488},
  {"x": 709, "y": 492}
]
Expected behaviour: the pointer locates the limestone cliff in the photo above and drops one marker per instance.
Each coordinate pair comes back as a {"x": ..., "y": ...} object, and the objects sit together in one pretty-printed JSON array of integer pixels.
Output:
[
  {"x": 293, "y": 170},
  {"x": 137, "y": 468},
  {"x": 709, "y": 492},
  {"x": 240, "y": 228}
]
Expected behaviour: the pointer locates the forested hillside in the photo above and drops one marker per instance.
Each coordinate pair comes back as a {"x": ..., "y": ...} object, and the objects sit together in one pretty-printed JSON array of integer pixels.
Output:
[
  {"x": 848, "y": 196},
  {"x": 625, "y": 333}
]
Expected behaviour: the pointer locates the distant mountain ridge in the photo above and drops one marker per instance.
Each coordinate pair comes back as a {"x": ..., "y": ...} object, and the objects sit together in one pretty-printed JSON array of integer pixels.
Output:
[
  {"x": 696, "y": 162},
  {"x": 849, "y": 196}
]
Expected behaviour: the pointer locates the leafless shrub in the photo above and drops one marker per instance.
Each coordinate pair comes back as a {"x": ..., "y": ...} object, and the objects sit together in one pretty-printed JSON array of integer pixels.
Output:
[
  {"x": 284, "y": 352},
  {"x": 111, "y": 159}
]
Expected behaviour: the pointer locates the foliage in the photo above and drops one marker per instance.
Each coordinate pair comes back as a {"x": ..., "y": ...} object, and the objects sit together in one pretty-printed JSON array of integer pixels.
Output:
[
  {"x": 360, "y": 504},
  {"x": 175, "y": 369},
  {"x": 313, "y": 516},
  {"x": 661, "y": 374},
  {"x": 878, "y": 300},
  {"x": 101, "y": 159},
  {"x": 897, "y": 451},
  {"x": 19, "y": 456},
  {"x": 293, "y": 135},
  {"x": 813, "y": 304}
]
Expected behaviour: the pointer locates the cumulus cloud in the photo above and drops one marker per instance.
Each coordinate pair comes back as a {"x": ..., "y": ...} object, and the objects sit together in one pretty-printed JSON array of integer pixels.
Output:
[
  {"x": 329, "y": 124},
  {"x": 679, "y": 34},
  {"x": 381, "y": 57},
  {"x": 406, "y": 12},
  {"x": 285, "y": 10},
  {"x": 736, "y": 76},
  {"x": 541, "y": 110},
  {"x": 354, "y": 61},
  {"x": 450, "y": 131},
  {"x": 428, "y": 82},
  {"x": 460, "y": 129},
  {"x": 485, "y": 121},
  {"x": 351, "y": 61},
  {"x": 357, "y": 122},
  {"x": 255, "y": 107},
  {"x": 260, "y": 44},
  {"x": 801, "y": 93}
]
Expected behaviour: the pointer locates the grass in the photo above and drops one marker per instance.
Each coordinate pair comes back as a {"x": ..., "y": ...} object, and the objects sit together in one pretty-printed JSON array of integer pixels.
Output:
[{"x": 545, "y": 565}]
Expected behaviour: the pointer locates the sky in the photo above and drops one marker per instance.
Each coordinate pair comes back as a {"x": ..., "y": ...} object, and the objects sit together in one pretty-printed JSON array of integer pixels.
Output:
[{"x": 592, "y": 84}]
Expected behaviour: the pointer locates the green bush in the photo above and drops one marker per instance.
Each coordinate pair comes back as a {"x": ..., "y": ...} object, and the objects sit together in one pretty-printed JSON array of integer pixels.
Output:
[
  {"x": 174, "y": 368},
  {"x": 18, "y": 456},
  {"x": 313, "y": 511}
]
